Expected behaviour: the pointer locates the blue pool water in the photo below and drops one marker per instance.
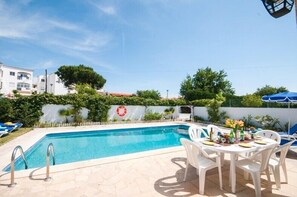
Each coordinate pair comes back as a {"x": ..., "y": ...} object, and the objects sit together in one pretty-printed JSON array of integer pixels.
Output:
[{"x": 79, "y": 146}]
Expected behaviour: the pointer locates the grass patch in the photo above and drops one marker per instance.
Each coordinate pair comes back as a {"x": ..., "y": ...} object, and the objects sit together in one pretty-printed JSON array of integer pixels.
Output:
[{"x": 6, "y": 138}]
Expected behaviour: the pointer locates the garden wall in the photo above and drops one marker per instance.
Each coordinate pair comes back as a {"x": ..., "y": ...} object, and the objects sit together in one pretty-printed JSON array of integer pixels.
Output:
[
  {"x": 283, "y": 114},
  {"x": 51, "y": 113}
]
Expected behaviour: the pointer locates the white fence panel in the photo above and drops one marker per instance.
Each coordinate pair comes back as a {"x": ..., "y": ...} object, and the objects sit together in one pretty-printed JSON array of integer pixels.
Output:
[
  {"x": 283, "y": 114},
  {"x": 51, "y": 113}
]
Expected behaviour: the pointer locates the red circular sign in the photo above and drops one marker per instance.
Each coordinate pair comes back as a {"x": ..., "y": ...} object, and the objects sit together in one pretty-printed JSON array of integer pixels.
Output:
[{"x": 122, "y": 111}]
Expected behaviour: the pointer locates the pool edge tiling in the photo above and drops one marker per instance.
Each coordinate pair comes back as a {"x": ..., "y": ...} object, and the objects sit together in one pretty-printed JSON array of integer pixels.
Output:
[{"x": 28, "y": 139}]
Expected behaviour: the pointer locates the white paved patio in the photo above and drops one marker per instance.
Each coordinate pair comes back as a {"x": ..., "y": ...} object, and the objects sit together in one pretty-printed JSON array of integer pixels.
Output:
[{"x": 152, "y": 173}]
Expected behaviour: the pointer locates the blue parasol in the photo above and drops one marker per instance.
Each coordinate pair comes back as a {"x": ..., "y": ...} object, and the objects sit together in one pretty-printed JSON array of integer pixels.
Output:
[{"x": 283, "y": 97}]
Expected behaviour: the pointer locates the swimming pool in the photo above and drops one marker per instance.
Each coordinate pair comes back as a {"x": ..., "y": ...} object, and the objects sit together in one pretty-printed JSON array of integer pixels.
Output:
[{"x": 79, "y": 146}]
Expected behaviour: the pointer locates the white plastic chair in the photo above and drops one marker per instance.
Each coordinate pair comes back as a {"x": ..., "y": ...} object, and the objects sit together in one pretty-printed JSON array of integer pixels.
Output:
[
  {"x": 196, "y": 132},
  {"x": 199, "y": 159},
  {"x": 254, "y": 166},
  {"x": 269, "y": 134},
  {"x": 275, "y": 163}
]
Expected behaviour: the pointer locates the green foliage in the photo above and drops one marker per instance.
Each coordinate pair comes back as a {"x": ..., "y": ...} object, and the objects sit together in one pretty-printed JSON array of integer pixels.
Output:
[
  {"x": 267, "y": 90},
  {"x": 149, "y": 94},
  {"x": 201, "y": 102},
  {"x": 213, "y": 109},
  {"x": 251, "y": 100},
  {"x": 248, "y": 121},
  {"x": 6, "y": 110},
  {"x": 186, "y": 86},
  {"x": 65, "y": 113},
  {"x": 98, "y": 109},
  {"x": 233, "y": 101},
  {"x": 28, "y": 109},
  {"x": 81, "y": 74},
  {"x": 85, "y": 89},
  {"x": 198, "y": 118},
  {"x": 168, "y": 112},
  {"x": 198, "y": 94},
  {"x": 16, "y": 93},
  {"x": 149, "y": 115},
  {"x": 212, "y": 81},
  {"x": 205, "y": 84},
  {"x": 269, "y": 122}
]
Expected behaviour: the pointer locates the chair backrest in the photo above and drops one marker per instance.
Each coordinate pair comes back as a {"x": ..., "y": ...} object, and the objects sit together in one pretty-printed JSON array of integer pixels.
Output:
[
  {"x": 265, "y": 155},
  {"x": 284, "y": 150},
  {"x": 196, "y": 132},
  {"x": 215, "y": 130},
  {"x": 192, "y": 151},
  {"x": 270, "y": 134}
]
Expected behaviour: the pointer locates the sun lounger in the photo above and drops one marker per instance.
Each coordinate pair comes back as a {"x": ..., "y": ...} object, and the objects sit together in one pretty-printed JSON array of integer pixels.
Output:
[
  {"x": 6, "y": 128},
  {"x": 11, "y": 126},
  {"x": 292, "y": 131},
  {"x": 3, "y": 133}
]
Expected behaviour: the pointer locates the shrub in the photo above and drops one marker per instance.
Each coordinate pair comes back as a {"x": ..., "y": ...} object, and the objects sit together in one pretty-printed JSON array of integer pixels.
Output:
[
  {"x": 149, "y": 115},
  {"x": 213, "y": 109},
  {"x": 269, "y": 122},
  {"x": 251, "y": 100}
]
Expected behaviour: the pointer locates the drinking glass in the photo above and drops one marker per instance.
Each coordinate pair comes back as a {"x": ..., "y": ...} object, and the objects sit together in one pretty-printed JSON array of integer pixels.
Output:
[{"x": 223, "y": 140}]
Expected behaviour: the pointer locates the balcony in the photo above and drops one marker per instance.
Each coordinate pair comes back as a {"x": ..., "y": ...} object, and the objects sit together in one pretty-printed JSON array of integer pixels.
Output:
[{"x": 22, "y": 76}]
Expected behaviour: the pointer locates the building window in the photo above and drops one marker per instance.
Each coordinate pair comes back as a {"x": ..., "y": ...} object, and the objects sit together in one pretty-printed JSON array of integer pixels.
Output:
[
  {"x": 23, "y": 86},
  {"x": 23, "y": 76},
  {"x": 12, "y": 73},
  {"x": 42, "y": 80},
  {"x": 0, "y": 85},
  {"x": 11, "y": 84}
]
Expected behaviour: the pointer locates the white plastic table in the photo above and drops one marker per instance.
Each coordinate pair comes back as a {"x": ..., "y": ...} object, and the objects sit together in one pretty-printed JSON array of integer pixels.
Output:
[{"x": 233, "y": 150}]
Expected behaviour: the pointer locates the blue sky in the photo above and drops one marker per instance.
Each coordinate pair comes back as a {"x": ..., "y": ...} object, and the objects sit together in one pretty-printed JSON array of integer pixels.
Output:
[{"x": 152, "y": 44}]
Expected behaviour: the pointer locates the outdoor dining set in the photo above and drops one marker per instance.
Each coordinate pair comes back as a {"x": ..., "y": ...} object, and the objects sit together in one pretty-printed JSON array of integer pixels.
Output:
[{"x": 254, "y": 154}]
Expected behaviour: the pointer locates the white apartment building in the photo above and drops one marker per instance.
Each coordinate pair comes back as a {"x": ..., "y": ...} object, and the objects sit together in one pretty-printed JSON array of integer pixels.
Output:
[
  {"x": 13, "y": 78},
  {"x": 52, "y": 83}
]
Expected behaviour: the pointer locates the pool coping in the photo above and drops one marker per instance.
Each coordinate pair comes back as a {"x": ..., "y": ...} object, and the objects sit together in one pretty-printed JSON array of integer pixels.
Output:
[{"x": 29, "y": 139}]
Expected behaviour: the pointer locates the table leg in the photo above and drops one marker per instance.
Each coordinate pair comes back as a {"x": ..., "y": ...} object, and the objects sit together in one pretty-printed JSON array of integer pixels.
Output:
[{"x": 232, "y": 172}]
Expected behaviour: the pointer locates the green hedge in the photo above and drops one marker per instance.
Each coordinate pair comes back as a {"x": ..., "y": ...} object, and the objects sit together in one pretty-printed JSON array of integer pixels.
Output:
[{"x": 28, "y": 109}]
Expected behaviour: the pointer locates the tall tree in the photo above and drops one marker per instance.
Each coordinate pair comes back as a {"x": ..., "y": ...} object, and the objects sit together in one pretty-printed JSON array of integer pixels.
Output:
[
  {"x": 186, "y": 85},
  {"x": 206, "y": 82},
  {"x": 267, "y": 90},
  {"x": 151, "y": 94},
  {"x": 81, "y": 74}
]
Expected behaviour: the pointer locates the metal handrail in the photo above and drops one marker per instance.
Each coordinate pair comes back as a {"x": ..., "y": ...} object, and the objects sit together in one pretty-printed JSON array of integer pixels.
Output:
[
  {"x": 50, "y": 151},
  {"x": 12, "y": 183}
]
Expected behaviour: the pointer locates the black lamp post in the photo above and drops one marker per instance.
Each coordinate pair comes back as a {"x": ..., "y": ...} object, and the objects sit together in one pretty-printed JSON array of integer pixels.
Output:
[{"x": 278, "y": 8}]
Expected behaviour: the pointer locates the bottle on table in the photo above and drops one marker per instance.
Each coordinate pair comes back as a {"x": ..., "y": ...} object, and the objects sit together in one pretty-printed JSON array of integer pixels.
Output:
[
  {"x": 211, "y": 135},
  {"x": 231, "y": 137},
  {"x": 241, "y": 135}
]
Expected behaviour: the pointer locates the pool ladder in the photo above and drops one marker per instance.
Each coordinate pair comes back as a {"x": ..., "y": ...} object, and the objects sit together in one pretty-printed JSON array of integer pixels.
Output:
[
  {"x": 12, "y": 183},
  {"x": 49, "y": 152}
]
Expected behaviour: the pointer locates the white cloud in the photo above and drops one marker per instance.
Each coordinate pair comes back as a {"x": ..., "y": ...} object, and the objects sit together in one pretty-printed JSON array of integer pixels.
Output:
[
  {"x": 107, "y": 9},
  {"x": 44, "y": 65},
  {"x": 59, "y": 36},
  {"x": 62, "y": 25}
]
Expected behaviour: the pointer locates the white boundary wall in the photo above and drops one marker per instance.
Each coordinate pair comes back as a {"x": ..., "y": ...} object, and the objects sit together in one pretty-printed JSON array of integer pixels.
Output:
[
  {"x": 284, "y": 115},
  {"x": 51, "y": 113}
]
